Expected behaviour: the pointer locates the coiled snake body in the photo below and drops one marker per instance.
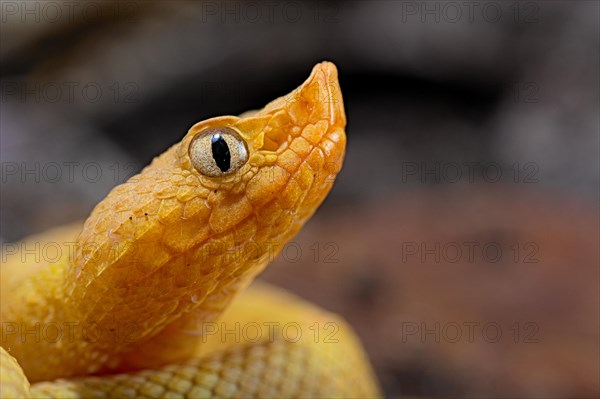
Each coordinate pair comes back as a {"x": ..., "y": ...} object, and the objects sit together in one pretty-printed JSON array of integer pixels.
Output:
[{"x": 139, "y": 305}]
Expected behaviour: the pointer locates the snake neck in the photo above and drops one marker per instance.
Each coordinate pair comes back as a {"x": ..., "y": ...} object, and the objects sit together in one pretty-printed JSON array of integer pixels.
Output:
[{"x": 147, "y": 256}]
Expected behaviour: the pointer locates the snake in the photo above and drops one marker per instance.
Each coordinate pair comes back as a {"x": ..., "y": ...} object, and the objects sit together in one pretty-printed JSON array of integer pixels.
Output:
[{"x": 154, "y": 294}]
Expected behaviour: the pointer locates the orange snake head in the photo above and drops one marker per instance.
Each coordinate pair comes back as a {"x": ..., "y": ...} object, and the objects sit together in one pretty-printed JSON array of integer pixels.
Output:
[
  {"x": 279, "y": 161},
  {"x": 208, "y": 214}
]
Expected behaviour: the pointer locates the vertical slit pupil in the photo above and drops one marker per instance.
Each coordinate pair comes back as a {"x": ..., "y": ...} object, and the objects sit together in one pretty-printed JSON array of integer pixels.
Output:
[{"x": 220, "y": 152}]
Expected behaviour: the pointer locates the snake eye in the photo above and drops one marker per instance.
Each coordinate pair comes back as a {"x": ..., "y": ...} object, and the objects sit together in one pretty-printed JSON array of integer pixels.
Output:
[{"x": 218, "y": 151}]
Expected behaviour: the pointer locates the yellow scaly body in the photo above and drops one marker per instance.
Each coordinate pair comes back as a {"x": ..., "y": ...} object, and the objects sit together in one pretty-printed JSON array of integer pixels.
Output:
[{"x": 140, "y": 296}]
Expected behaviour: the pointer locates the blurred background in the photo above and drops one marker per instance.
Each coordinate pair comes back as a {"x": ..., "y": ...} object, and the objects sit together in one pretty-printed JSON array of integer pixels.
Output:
[{"x": 461, "y": 238}]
